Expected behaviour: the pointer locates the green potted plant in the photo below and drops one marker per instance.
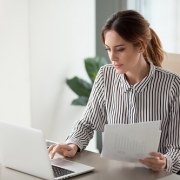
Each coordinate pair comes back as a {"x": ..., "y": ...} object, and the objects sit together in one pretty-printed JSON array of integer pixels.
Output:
[{"x": 81, "y": 87}]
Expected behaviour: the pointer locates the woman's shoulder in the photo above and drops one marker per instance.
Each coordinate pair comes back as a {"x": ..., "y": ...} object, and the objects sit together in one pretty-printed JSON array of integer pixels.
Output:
[
  {"x": 167, "y": 73},
  {"x": 168, "y": 76}
]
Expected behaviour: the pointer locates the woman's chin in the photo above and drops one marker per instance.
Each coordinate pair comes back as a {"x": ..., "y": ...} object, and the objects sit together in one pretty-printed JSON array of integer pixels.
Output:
[{"x": 120, "y": 71}]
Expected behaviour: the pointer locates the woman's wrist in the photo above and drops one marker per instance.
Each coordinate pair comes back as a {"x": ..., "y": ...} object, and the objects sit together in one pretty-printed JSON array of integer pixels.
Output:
[{"x": 74, "y": 146}]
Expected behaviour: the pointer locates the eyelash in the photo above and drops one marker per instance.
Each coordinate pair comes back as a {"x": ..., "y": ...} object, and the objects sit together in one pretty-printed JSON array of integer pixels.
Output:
[{"x": 119, "y": 50}]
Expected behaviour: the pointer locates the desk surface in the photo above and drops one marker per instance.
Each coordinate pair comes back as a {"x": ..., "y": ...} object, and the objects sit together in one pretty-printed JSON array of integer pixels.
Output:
[{"x": 104, "y": 169}]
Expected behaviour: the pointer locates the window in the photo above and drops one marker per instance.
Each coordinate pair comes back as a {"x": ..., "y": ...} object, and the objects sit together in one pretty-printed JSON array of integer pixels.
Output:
[{"x": 164, "y": 18}]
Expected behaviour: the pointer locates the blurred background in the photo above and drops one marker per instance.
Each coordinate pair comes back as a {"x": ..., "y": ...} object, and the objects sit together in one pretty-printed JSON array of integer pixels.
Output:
[{"x": 44, "y": 42}]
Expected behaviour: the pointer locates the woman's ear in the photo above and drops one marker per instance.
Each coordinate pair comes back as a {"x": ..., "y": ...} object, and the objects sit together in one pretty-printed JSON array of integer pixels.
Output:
[
  {"x": 142, "y": 47},
  {"x": 141, "y": 50}
]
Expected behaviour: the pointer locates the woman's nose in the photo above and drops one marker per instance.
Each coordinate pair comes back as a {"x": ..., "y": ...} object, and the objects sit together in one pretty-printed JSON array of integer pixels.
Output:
[{"x": 112, "y": 56}]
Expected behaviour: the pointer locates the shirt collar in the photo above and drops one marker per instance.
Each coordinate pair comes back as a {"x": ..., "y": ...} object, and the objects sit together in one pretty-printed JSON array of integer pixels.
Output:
[{"x": 138, "y": 87}]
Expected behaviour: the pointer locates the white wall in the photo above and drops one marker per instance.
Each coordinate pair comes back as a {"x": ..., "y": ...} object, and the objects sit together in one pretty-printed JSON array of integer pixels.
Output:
[
  {"x": 62, "y": 34},
  {"x": 43, "y": 42},
  {"x": 14, "y": 62}
]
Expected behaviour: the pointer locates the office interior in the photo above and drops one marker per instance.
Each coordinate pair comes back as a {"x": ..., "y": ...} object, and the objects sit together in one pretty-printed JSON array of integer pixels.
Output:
[{"x": 44, "y": 42}]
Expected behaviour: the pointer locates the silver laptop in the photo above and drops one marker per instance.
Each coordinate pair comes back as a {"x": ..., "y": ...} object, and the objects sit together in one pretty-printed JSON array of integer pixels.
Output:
[{"x": 24, "y": 149}]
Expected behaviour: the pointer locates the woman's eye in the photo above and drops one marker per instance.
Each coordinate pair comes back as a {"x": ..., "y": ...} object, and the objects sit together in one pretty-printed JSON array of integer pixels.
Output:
[
  {"x": 107, "y": 49},
  {"x": 120, "y": 50}
]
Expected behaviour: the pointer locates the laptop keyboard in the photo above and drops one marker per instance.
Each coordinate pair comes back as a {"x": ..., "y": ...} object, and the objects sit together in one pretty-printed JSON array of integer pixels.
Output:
[{"x": 58, "y": 171}]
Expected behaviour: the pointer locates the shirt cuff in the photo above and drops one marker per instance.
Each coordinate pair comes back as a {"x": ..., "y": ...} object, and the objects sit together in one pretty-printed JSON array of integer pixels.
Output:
[
  {"x": 75, "y": 141},
  {"x": 168, "y": 163}
]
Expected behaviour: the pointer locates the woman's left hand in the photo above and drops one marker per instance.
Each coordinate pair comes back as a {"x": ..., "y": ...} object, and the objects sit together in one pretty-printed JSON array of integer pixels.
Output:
[{"x": 156, "y": 162}]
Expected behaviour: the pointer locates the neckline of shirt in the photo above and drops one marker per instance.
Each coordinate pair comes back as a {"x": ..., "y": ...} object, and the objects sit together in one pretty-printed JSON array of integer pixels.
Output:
[{"x": 138, "y": 87}]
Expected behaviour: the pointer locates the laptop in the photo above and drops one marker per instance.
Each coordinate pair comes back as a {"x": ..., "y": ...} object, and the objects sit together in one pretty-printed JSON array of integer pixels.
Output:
[{"x": 24, "y": 149}]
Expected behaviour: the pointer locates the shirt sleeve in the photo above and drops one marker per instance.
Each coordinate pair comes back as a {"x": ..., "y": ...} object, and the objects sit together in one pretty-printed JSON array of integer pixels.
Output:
[
  {"x": 173, "y": 133},
  {"x": 94, "y": 117}
]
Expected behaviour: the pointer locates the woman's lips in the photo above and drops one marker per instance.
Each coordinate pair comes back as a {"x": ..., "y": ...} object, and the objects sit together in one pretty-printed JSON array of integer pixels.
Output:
[{"x": 118, "y": 66}]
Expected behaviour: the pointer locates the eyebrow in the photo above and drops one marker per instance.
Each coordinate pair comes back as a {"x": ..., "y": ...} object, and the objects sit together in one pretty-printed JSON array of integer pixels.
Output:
[{"x": 117, "y": 45}]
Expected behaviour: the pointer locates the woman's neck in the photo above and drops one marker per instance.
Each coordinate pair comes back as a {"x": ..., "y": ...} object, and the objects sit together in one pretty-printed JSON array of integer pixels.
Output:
[{"x": 138, "y": 73}]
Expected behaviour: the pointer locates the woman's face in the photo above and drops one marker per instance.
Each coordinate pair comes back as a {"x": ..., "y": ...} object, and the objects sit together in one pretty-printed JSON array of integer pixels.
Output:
[{"x": 124, "y": 55}]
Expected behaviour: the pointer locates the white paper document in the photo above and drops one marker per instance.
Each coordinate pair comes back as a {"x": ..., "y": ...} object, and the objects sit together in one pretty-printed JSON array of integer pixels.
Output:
[{"x": 130, "y": 142}]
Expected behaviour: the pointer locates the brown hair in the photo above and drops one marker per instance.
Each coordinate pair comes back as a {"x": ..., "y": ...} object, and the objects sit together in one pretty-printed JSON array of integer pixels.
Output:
[{"x": 132, "y": 27}]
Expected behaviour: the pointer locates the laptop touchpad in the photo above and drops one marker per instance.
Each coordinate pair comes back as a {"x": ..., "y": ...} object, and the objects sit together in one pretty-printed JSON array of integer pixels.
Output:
[{"x": 61, "y": 162}]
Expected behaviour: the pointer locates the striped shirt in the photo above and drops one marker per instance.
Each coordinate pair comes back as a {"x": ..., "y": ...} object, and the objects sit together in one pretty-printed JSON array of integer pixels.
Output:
[{"x": 114, "y": 101}]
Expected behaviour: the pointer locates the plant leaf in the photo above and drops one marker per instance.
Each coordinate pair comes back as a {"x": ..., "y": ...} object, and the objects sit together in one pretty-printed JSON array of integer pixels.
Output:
[
  {"x": 81, "y": 101},
  {"x": 93, "y": 65},
  {"x": 79, "y": 86}
]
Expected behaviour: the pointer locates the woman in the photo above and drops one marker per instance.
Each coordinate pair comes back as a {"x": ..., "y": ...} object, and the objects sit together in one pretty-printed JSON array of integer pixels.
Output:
[{"x": 133, "y": 89}]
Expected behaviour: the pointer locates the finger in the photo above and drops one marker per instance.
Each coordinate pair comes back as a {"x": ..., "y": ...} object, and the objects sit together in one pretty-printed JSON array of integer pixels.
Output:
[
  {"x": 56, "y": 149},
  {"x": 53, "y": 152},
  {"x": 146, "y": 163},
  {"x": 51, "y": 148},
  {"x": 61, "y": 149},
  {"x": 157, "y": 154},
  {"x": 65, "y": 147},
  {"x": 155, "y": 160},
  {"x": 155, "y": 167}
]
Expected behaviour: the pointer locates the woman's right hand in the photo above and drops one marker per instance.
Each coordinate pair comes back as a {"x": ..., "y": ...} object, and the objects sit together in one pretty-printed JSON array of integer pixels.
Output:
[{"x": 67, "y": 150}]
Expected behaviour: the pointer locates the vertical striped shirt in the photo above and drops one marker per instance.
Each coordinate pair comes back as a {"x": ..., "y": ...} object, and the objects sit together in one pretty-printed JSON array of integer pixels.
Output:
[{"x": 114, "y": 101}]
